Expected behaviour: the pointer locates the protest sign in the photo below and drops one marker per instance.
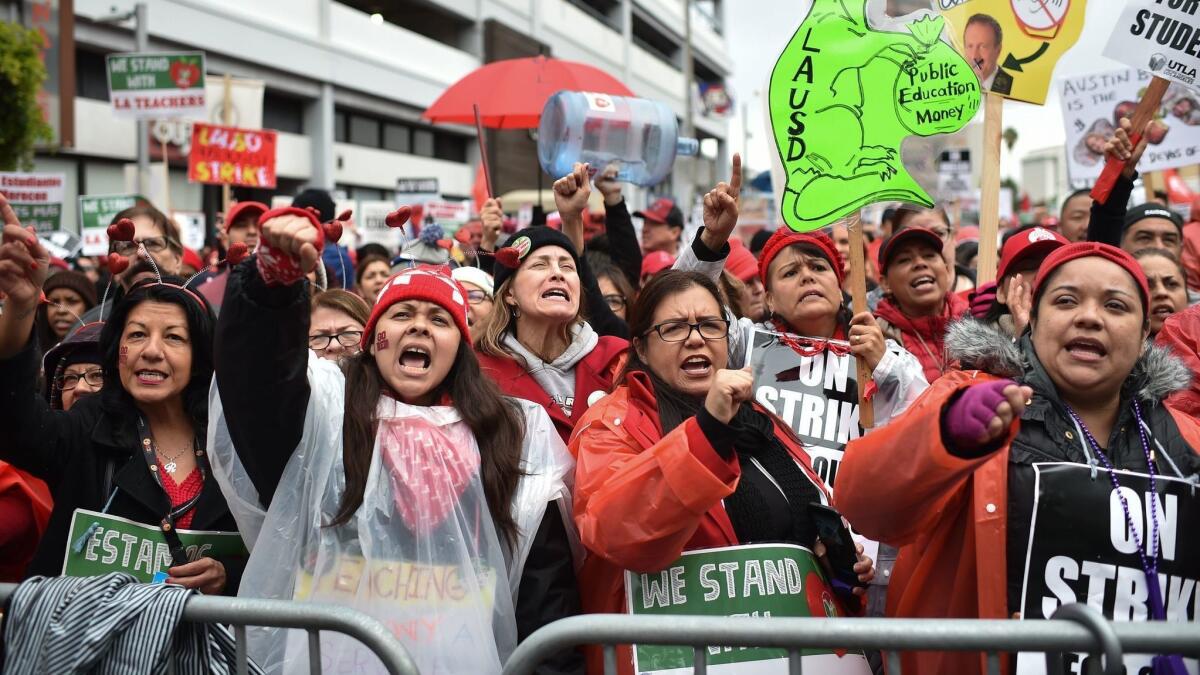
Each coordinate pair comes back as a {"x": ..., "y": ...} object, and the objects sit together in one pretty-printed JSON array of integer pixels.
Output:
[
  {"x": 954, "y": 174},
  {"x": 61, "y": 244},
  {"x": 813, "y": 387},
  {"x": 1093, "y": 105},
  {"x": 96, "y": 213},
  {"x": 193, "y": 228},
  {"x": 843, "y": 96},
  {"x": 1093, "y": 558},
  {"x": 451, "y": 215},
  {"x": 36, "y": 198},
  {"x": 1013, "y": 45},
  {"x": 232, "y": 156},
  {"x": 100, "y": 543},
  {"x": 1161, "y": 37},
  {"x": 372, "y": 225},
  {"x": 149, "y": 86},
  {"x": 761, "y": 580}
]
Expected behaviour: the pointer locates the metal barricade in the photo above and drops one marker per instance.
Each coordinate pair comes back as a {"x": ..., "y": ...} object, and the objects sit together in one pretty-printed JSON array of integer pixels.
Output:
[
  {"x": 1075, "y": 628},
  {"x": 307, "y": 616}
]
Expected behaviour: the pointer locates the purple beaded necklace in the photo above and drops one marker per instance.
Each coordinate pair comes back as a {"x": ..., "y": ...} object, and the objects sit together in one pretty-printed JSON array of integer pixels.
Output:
[{"x": 1149, "y": 565}]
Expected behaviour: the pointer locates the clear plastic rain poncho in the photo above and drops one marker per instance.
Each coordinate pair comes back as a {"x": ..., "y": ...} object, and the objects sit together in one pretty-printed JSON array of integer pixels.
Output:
[{"x": 421, "y": 555}]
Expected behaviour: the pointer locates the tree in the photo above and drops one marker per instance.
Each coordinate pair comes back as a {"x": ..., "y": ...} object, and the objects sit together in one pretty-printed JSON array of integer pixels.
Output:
[
  {"x": 21, "y": 76},
  {"x": 1010, "y": 138}
]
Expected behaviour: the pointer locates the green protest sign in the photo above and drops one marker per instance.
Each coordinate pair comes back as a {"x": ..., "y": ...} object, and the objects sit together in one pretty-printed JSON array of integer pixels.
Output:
[
  {"x": 843, "y": 96},
  {"x": 761, "y": 580},
  {"x": 154, "y": 86},
  {"x": 36, "y": 198},
  {"x": 95, "y": 215},
  {"x": 100, "y": 543}
]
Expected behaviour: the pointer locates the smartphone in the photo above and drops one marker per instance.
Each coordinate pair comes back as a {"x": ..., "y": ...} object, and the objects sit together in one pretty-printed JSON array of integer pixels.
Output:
[{"x": 833, "y": 531}]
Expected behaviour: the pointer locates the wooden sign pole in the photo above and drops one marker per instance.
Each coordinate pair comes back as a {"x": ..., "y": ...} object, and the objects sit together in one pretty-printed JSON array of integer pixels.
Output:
[
  {"x": 1151, "y": 100},
  {"x": 858, "y": 295},
  {"x": 989, "y": 184}
]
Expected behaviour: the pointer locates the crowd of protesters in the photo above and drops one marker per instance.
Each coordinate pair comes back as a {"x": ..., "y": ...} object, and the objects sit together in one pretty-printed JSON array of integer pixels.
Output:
[{"x": 543, "y": 409}]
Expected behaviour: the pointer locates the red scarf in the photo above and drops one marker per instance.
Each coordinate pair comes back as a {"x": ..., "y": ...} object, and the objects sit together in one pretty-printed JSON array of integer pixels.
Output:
[{"x": 925, "y": 336}]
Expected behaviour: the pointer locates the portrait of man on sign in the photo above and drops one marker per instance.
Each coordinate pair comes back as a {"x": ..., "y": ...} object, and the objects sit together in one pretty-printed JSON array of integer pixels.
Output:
[{"x": 982, "y": 41}]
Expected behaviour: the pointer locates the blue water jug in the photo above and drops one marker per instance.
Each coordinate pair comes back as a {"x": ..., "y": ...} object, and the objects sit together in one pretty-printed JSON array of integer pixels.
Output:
[{"x": 641, "y": 137}]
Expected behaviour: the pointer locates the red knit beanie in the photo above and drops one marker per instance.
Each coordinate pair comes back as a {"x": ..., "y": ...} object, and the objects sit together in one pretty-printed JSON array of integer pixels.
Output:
[
  {"x": 1088, "y": 249},
  {"x": 784, "y": 238},
  {"x": 422, "y": 283}
]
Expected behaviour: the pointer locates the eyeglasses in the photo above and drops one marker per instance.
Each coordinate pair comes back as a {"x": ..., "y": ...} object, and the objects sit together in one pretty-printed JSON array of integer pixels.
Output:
[
  {"x": 679, "y": 331},
  {"x": 152, "y": 244},
  {"x": 476, "y": 297},
  {"x": 94, "y": 377},
  {"x": 321, "y": 342},
  {"x": 615, "y": 301}
]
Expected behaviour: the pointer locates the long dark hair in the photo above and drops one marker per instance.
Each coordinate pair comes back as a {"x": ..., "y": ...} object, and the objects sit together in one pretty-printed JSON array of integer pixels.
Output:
[
  {"x": 673, "y": 406},
  {"x": 496, "y": 423},
  {"x": 200, "y": 323}
]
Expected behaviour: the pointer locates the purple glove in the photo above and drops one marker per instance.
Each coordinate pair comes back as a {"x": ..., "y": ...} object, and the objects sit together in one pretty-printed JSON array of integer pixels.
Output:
[
  {"x": 982, "y": 299},
  {"x": 966, "y": 420}
]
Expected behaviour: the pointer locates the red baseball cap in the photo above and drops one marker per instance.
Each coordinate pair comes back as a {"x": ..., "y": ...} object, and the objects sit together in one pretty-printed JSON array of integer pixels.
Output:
[
  {"x": 239, "y": 209},
  {"x": 192, "y": 259},
  {"x": 656, "y": 262},
  {"x": 663, "y": 212},
  {"x": 904, "y": 236},
  {"x": 741, "y": 263},
  {"x": 1034, "y": 242},
  {"x": 1087, "y": 249}
]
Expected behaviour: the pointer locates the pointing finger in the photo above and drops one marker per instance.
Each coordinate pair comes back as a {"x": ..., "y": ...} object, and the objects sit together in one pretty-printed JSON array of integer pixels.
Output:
[{"x": 736, "y": 180}]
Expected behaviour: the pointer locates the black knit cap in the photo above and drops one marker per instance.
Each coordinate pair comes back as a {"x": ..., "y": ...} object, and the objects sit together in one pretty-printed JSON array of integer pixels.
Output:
[
  {"x": 523, "y": 244},
  {"x": 82, "y": 346}
]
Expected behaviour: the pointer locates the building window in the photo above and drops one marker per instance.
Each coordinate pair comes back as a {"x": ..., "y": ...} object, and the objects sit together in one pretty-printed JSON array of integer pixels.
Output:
[
  {"x": 607, "y": 12},
  {"x": 91, "y": 76},
  {"x": 421, "y": 17},
  {"x": 364, "y": 131},
  {"x": 646, "y": 36},
  {"x": 396, "y": 138},
  {"x": 422, "y": 142},
  {"x": 339, "y": 127},
  {"x": 450, "y": 147},
  {"x": 283, "y": 113}
]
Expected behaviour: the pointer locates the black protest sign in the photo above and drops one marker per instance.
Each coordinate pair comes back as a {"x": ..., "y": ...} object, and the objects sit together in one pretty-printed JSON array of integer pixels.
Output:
[
  {"x": 812, "y": 385},
  {"x": 1081, "y": 549}
]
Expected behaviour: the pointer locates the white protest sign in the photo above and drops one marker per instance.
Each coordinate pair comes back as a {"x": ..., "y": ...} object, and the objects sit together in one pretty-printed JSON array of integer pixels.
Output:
[
  {"x": 191, "y": 228},
  {"x": 1092, "y": 106},
  {"x": 373, "y": 227},
  {"x": 1160, "y": 36},
  {"x": 36, "y": 198}
]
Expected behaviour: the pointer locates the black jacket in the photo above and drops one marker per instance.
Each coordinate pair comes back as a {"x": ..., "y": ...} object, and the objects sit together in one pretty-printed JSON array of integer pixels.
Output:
[
  {"x": 1047, "y": 433},
  {"x": 262, "y": 374},
  {"x": 85, "y": 455},
  {"x": 1107, "y": 221}
]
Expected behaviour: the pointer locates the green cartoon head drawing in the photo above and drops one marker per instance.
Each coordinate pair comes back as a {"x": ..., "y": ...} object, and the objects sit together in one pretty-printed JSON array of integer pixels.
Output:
[{"x": 843, "y": 97}]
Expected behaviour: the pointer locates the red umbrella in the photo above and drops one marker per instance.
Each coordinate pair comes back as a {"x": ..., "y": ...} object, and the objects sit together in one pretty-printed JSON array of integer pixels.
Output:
[{"x": 511, "y": 93}]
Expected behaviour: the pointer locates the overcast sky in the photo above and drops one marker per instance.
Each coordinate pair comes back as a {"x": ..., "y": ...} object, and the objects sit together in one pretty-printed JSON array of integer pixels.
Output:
[{"x": 759, "y": 29}]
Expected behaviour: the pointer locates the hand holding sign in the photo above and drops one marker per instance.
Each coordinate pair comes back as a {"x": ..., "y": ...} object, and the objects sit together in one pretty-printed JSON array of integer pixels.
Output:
[
  {"x": 1121, "y": 146},
  {"x": 492, "y": 217},
  {"x": 983, "y": 413},
  {"x": 721, "y": 208},
  {"x": 730, "y": 388},
  {"x": 866, "y": 339},
  {"x": 206, "y": 575}
]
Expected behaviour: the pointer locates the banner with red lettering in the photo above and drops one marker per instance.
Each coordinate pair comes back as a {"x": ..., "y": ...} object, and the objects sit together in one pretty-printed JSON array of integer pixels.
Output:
[{"x": 232, "y": 156}]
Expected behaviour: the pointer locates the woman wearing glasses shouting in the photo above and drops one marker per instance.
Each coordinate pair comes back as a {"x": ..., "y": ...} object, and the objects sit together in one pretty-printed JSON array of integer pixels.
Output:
[{"x": 679, "y": 457}]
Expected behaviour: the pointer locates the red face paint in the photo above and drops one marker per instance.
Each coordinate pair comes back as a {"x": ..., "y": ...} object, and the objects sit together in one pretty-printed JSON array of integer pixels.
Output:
[
  {"x": 124, "y": 355},
  {"x": 381, "y": 341}
]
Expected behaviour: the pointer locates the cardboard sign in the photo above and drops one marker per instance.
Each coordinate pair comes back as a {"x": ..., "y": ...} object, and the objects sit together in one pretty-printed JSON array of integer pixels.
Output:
[
  {"x": 232, "y": 156},
  {"x": 96, "y": 213},
  {"x": 1093, "y": 106},
  {"x": 1081, "y": 550},
  {"x": 954, "y": 174},
  {"x": 1013, "y": 45},
  {"x": 843, "y": 96},
  {"x": 36, "y": 198},
  {"x": 150, "y": 86},
  {"x": 1161, "y": 37},
  {"x": 99, "y": 543},
  {"x": 763, "y": 580}
]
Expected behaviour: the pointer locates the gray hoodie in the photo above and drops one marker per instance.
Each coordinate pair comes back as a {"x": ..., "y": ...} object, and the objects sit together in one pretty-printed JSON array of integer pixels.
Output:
[{"x": 557, "y": 378}]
